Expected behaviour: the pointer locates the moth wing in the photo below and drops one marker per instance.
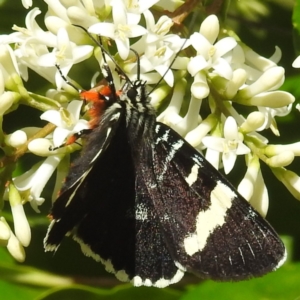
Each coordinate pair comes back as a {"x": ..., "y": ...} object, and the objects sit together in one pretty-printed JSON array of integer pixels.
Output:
[
  {"x": 71, "y": 205},
  {"x": 110, "y": 214},
  {"x": 210, "y": 229}
]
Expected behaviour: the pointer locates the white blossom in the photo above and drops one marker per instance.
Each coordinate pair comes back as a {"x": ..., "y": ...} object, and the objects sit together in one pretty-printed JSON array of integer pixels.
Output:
[
  {"x": 65, "y": 55},
  {"x": 231, "y": 145},
  {"x": 35, "y": 179},
  {"x": 65, "y": 127},
  {"x": 120, "y": 30},
  {"x": 211, "y": 54}
]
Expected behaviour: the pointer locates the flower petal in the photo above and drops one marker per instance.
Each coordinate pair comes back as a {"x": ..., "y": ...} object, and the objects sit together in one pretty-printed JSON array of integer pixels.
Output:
[
  {"x": 224, "y": 45},
  {"x": 196, "y": 64},
  {"x": 52, "y": 116},
  {"x": 74, "y": 108},
  {"x": 230, "y": 129},
  {"x": 103, "y": 29},
  {"x": 123, "y": 47},
  {"x": 228, "y": 159},
  {"x": 215, "y": 143}
]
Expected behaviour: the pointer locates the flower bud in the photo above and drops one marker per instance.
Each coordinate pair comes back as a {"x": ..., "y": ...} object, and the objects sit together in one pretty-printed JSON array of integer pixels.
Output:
[
  {"x": 163, "y": 25},
  {"x": 200, "y": 87},
  {"x": 238, "y": 79},
  {"x": 254, "y": 120},
  {"x": 276, "y": 99},
  {"x": 16, "y": 139},
  {"x": 195, "y": 136},
  {"x": 79, "y": 16},
  {"x": 4, "y": 231},
  {"x": 281, "y": 160},
  {"x": 42, "y": 147},
  {"x": 7, "y": 99},
  {"x": 159, "y": 94},
  {"x": 267, "y": 81},
  {"x": 210, "y": 28},
  {"x": 272, "y": 150},
  {"x": 15, "y": 248},
  {"x": 21, "y": 225},
  {"x": 290, "y": 179},
  {"x": 259, "y": 62},
  {"x": 54, "y": 23}
]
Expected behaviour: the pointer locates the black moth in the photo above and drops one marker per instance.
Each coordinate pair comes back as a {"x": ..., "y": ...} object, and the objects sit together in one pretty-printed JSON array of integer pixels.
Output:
[{"x": 147, "y": 205}]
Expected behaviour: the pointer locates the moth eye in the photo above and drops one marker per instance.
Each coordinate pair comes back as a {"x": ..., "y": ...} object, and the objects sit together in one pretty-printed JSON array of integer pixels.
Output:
[{"x": 132, "y": 94}]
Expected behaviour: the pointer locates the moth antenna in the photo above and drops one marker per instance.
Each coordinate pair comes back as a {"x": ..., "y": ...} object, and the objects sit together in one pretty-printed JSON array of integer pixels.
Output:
[
  {"x": 170, "y": 66},
  {"x": 67, "y": 81},
  {"x": 138, "y": 64},
  {"x": 104, "y": 51},
  {"x": 194, "y": 17}
]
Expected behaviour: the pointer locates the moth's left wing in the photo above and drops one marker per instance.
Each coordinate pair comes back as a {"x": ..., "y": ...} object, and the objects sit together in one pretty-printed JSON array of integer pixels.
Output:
[
  {"x": 72, "y": 204},
  {"x": 209, "y": 228}
]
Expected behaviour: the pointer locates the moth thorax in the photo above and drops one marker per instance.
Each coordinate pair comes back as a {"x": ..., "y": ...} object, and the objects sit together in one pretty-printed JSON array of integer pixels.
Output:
[{"x": 140, "y": 121}]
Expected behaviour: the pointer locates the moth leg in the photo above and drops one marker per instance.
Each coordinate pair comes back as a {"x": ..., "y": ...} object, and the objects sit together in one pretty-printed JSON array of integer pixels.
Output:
[{"x": 72, "y": 139}]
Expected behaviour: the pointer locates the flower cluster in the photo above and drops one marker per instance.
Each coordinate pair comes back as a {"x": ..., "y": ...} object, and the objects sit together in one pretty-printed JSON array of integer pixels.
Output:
[{"x": 222, "y": 73}]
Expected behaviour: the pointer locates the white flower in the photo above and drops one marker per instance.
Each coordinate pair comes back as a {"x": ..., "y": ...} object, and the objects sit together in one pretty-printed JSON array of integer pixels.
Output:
[
  {"x": 210, "y": 55},
  {"x": 65, "y": 127},
  {"x": 159, "y": 50},
  {"x": 34, "y": 180},
  {"x": 32, "y": 43},
  {"x": 21, "y": 225},
  {"x": 211, "y": 58},
  {"x": 65, "y": 54},
  {"x": 68, "y": 122},
  {"x": 231, "y": 145},
  {"x": 136, "y": 7},
  {"x": 120, "y": 30}
]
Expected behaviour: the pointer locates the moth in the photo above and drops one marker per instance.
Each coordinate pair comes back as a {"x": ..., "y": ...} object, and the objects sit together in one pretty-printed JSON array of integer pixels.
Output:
[{"x": 148, "y": 206}]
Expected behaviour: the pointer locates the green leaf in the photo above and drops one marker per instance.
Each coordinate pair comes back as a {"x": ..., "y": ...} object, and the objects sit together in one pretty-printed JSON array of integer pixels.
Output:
[
  {"x": 280, "y": 285},
  {"x": 22, "y": 292},
  {"x": 296, "y": 25},
  {"x": 121, "y": 292}
]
